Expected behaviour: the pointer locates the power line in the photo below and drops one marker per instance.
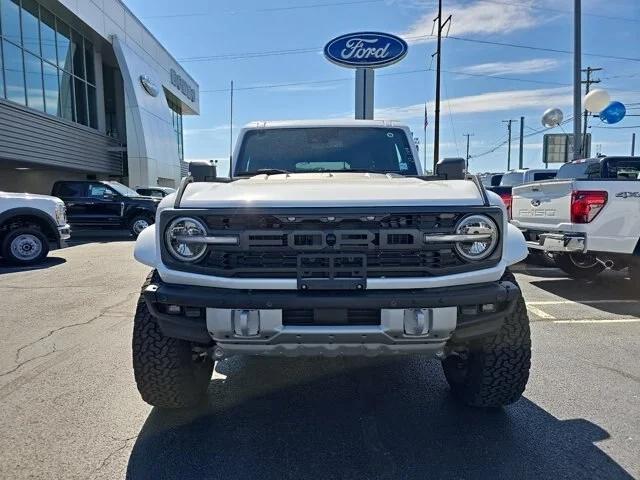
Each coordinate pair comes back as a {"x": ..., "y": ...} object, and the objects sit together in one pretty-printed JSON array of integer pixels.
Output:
[
  {"x": 265, "y": 10},
  {"x": 297, "y": 51},
  {"x": 360, "y": 2},
  {"x": 615, "y": 128}
]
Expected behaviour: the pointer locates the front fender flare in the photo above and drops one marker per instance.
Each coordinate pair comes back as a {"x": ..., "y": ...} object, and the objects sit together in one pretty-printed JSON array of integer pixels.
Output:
[
  {"x": 146, "y": 248},
  {"x": 515, "y": 246}
]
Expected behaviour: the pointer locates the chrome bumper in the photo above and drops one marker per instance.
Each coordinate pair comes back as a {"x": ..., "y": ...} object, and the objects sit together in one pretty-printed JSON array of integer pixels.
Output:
[{"x": 559, "y": 243}]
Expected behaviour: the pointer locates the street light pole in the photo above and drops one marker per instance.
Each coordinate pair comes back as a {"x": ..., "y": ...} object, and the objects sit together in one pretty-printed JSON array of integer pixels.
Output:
[
  {"x": 436, "y": 125},
  {"x": 508, "y": 122},
  {"x": 577, "y": 77}
]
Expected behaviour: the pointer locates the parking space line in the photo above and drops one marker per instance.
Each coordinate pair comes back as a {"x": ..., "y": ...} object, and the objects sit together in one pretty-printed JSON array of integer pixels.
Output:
[
  {"x": 603, "y": 320},
  {"x": 586, "y": 302},
  {"x": 540, "y": 313}
]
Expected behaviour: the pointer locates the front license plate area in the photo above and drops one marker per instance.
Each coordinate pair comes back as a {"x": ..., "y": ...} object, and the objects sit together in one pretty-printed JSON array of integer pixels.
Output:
[{"x": 332, "y": 272}]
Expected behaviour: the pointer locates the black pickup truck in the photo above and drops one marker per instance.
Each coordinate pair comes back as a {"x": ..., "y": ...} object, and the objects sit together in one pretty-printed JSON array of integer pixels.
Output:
[{"x": 106, "y": 204}]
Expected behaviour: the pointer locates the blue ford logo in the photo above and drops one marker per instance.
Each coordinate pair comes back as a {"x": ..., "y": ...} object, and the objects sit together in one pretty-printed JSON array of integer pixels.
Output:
[
  {"x": 366, "y": 50},
  {"x": 149, "y": 85}
]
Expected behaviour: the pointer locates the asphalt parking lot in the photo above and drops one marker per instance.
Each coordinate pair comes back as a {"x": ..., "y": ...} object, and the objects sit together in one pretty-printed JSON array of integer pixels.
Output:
[{"x": 70, "y": 408}]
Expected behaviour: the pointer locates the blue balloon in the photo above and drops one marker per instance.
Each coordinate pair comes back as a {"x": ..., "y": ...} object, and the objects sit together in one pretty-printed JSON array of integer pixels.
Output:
[{"x": 614, "y": 112}]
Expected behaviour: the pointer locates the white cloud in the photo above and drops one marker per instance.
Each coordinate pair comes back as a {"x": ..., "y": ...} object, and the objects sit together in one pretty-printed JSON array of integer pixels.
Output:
[
  {"x": 535, "y": 65},
  {"x": 486, "y": 102},
  {"x": 479, "y": 17}
]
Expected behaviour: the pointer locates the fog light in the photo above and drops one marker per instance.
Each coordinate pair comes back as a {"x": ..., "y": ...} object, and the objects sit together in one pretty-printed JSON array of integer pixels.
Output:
[
  {"x": 174, "y": 309},
  {"x": 469, "y": 310},
  {"x": 489, "y": 308}
]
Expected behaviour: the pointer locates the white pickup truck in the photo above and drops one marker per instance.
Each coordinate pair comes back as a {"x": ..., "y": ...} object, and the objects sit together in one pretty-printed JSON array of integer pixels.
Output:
[
  {"x": 588, "y": 217},
  {"x": 30, "y": 226},
  {"x": 327, "y": 240}
]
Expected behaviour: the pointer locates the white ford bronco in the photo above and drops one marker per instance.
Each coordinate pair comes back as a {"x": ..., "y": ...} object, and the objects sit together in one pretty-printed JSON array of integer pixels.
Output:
[
  {"x": 30, "y": 226},
  {"x": 327, "y": 240}
]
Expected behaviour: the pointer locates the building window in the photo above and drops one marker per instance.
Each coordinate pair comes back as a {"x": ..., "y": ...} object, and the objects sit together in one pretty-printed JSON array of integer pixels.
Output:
[
  {"x": 45, "y": 64},
  {"x": 176, "y": 121}
]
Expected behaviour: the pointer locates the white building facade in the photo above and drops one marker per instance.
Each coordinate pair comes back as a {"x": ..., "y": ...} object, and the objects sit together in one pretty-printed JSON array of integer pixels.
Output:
[{"x": 86, "y": 91}]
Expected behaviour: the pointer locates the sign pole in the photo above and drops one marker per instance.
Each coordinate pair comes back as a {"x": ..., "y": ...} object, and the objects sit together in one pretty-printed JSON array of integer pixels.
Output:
[{"x": 365, "y": 84}]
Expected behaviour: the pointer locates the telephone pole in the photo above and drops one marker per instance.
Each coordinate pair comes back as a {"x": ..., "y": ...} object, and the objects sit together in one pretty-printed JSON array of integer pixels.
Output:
[
  {"x": 587, "y": 84},
  {"x": 508, "y": 122},
  {"x": 577, "y": 76},
  {"x": 521, "y": 150},
  {"x": 468, "y": 135},
  {"x": 436, "y": 126}
]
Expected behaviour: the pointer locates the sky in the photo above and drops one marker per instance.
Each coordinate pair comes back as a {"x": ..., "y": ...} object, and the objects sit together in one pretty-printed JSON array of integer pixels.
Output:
[{"x": 273, "y": 53}]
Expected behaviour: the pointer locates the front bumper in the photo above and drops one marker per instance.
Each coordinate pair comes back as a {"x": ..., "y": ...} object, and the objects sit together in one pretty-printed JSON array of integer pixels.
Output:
[
  {"x": 251, "y": 321},
  {"x": 560, "y": 243},
  {"x": 64, "y": 234}
]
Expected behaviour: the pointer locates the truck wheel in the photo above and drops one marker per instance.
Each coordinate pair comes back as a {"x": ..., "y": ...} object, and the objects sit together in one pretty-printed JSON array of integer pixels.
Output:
[
  {"x": 493, "y": 371},
  {"x": 579, "y": 265},
  {"x": 25, "y": 246},
  {"x": 167, "y": 371},
  {"x": 139, "y": 222}
]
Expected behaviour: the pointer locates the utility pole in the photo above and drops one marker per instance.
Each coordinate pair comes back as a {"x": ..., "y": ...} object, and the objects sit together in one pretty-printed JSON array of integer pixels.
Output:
[
  {"x": 508, "y": 122},
  {"x": 436, "y": 125},
  {"x": 521, "y": 151},
  {"x": 633, "y": 144},
  {"x": 467, "y": 163},
  {"x": 231, "y": 127},
  {"x": 577, "y": 77},
  {"x": 587, "y": 87}
]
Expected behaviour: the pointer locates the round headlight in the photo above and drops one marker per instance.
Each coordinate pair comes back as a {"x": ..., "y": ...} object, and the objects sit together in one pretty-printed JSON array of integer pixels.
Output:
[
  {"x": 481, "y": 237},
  {"x": 183, "y": 238}
]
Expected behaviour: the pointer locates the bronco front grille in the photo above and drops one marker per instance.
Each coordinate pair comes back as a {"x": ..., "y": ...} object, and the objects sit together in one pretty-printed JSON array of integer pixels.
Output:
[{"x": 385, "y": 244}]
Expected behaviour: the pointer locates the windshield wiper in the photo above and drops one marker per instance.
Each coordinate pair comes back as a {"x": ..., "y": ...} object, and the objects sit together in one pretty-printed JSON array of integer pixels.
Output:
[{"x": 263, "y": 171}]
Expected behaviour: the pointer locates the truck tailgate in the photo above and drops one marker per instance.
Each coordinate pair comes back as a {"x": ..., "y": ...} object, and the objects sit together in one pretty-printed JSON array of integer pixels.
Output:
[{"x": 543, "y": 205}]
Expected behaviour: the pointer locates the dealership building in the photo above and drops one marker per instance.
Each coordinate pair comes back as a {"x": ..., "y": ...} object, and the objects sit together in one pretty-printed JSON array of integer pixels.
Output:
[{"x": 87, "y": 92}]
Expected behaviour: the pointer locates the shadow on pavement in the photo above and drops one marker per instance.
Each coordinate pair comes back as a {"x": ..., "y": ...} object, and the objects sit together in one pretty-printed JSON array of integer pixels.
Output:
[
  {"x": 48, "y": 263},
  {"x": 84, "y": 236},
  {"x": 606, "y": 286},
  {"x": 359, "y": 419}
]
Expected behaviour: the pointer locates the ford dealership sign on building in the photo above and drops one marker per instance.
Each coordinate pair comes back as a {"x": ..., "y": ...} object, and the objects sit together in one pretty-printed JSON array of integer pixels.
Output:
[{"x": 366, "y": 50}]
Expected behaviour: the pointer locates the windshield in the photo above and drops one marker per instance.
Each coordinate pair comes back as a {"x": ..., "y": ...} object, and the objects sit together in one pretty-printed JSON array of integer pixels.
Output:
[
  {"x": 511, "y": 179},
  {"x": 123, "y": 189},
  {"x": 341, "y": 149}
]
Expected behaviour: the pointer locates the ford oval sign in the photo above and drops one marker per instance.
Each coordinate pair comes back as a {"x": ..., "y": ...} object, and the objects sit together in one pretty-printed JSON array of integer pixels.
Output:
[
  {"x": 149, "y": 85},
  {"x": 366, "y": 50}
]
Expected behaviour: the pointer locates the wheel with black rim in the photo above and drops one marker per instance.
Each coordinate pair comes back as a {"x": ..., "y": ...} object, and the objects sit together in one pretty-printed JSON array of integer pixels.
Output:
[
  {"x": 493, "y": 371},
  {"x": 579, "y": 265},
  {"x": 169, "y": 373},
  {"x": 139, "y": 222},
  {"x": 25, "y": 246}
]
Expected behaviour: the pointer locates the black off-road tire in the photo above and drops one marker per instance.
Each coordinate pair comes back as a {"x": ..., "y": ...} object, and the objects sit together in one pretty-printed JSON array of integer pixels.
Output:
[
  {"x": 493, "y": 372},
  {"x": 568, "y": 266},
  {"x": 7, "y": 254},
  {"x": 167, "y": 372}
]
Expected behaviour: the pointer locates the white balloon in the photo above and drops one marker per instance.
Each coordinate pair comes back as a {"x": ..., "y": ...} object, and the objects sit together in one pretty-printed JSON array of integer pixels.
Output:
[
  {"x": 596, "y": 100},
  {"x": 552, "y": 117}
]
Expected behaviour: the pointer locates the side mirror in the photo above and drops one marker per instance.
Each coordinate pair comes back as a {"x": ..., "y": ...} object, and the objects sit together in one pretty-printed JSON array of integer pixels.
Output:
[
  {"x": 108, "y": 195},
  {"x": 203, "y": 171},
  {"x": 451, "y": 168}
]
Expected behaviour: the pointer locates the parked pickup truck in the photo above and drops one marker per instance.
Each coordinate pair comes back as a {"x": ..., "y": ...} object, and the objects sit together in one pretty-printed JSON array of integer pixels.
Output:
[
  {"x": 106, "y": 204},
  {"x": 30, "y": 226},
  {"x": 327, "y": 240},
  {"x": 589, "y": 217},
  {"x": 514, "y": 178}
]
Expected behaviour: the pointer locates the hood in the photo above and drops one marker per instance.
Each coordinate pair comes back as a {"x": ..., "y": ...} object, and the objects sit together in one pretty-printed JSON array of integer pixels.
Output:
[
  {"x": 28, "y": 196},
  {"x": 330, "y": 190}
]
